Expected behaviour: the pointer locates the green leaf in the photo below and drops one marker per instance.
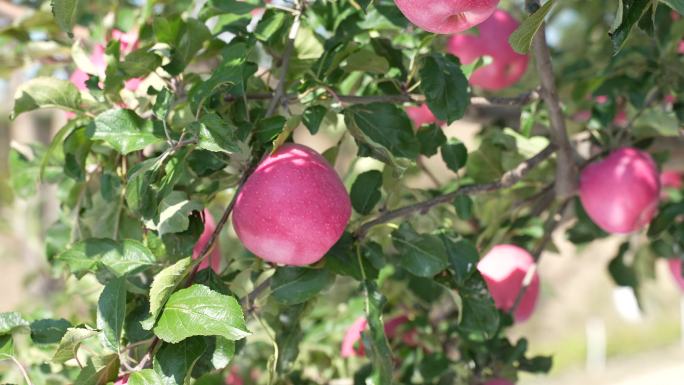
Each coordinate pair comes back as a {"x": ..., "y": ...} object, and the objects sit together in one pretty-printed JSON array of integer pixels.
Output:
[
  {"x": 521, "y": 39},
  {"x": 217, "y": 135},
  {"x": 430, "y": 137},
  {"x": 224, "y": 350},
  {"x": 191, "y": 38},
  {"x": 445, "y": 87},
  {"x": 174, "y": 362},
  {"x": 423, "y": 255},
  {"x": 163, "y": 285},
  {"x": 111, "y": 311},
  {"x": 269, "y": 128},
  {"x": 200, "y": 311},
  {"x": 464, "y": 207},
  {"x": 367, "y": 61},
  {"x": 365, "y": 192},
  {"x": 145, "y": 377},
  {"x": 46, "y": 93},
  {"x": 479, "y": 315},
  {"x": 454, "y": 154},
  {"x": 665, "y": 218},
  {"x": 380, "y": 352},
  {"x": 629, "y": 13},
  {"x": 49, "y": 331},
  {"x": 124, "y": 130},
  {"x": 293, "y": 285},
  {"x": 463, "y": 257},
  {"x": 6, "y": 346},
  {"x": 221, "y": 7},
  {"x": 99, "y": 371},
  {"x": 140, "y": 62},
  {"x": 162, "y": 104},
  {"x": 12, "y": 322},
  {"x": 174, "y": 210},
  {"x": 227, "y": 75},
  {"x": 66, "y": 12},
  {"x": 313, "y": 117},
  {"x": 384, "y": 124},
  {"x": 677, "y": 5},
  {"x": 120, "y": 257},
  {"x": 72, "y": 339},
  {"x": 622, "y": 273}
]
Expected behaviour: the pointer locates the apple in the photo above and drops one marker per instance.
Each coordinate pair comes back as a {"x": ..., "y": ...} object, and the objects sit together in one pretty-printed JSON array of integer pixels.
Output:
[
  {"x": 671, "y": 179},
  {"x": 446, "y": 16},
  {"x": 676, "y": 269},
  {"x": 620, "y": 193},
  {"x": 507, "y": 66},
  {"x": 421, "y": 115},
  {"x": 234, "y": 378},
  {"x": 123, "y": 380},
  {"x": 504, "y": 269},
  {"x": 498, "y": 381},
  {"x": 353, "y": 346},
  {"x": 293, "y": 208},
  {"x": 214, "y": 257}
]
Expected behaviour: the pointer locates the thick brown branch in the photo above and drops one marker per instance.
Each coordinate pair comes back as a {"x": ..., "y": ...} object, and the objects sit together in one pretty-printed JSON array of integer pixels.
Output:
[
  {"x": 507, "y": 180},
  {"x": 566, "y": 170}
]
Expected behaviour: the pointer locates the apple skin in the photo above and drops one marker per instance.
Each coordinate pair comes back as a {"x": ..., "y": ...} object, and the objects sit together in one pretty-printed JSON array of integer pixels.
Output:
[
  {"x": 676, "y": 269},
  {"x": 351, "y": 342},
  {"x": 446, "y": 16},
  {"x": 620, "y": 193},
  {"x": 507, "y": 66},
  {"x": 121, "y": 380},
  {"x": 504, "y": 269},
  {"x": 214, "y": 257},
  {"x": 671, "y": 179},
  {"x": 421, "y": 115},
  {"x": 498, "y": 381},
  {"x": 293, "y": 208}
]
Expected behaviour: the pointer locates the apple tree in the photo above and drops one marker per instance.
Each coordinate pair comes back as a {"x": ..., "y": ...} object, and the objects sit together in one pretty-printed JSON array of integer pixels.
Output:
[{"x": 202, "y": 240}]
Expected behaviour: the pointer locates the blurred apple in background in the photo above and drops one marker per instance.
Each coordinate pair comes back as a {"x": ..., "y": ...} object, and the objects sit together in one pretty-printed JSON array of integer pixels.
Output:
[
  {"x": 504, "y": 269},
  {"x": 507, "y": 66}
]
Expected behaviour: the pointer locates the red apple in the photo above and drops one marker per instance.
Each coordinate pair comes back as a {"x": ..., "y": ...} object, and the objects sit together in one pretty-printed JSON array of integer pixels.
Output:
[
  {"x": 504, "y": 269},
  {"x": 293, "y": 208},
  {"x": 353, "y": 346},
  {"x": 671, "y": 179},
  {"x": 620, "y": 193},
  {"x": 123, "y": 380},
  {"x": 507, "y": 66},
  {"x": 446, "y": 16},
  {"x": 234, "y": 378},
  {"x": 676, "y": 269},
  {"x": 498, "y": 381},
  {"x": 421, "y": 115},
  {"x": 214, "y": 257}
]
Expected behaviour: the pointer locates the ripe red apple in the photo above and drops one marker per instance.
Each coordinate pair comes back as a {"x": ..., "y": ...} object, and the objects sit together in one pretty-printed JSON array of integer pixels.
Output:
[
  {"x": 504, "y": 269},
  {"x": 507, "y": 66},
  {"x": 123, "y": 380},
  {"x": 353, "y": 346},
  {"x": 293, "y": 208},
  {"x": 234, "y": 378},
  {"x": 214, "y": 257},
  {"x": 671, "y": 179},
  {"x": 676, "y": 269},
  {"x": 498, "y": 381},
  {"x": 620, "y": 193},
  {"x": 446, "y": 16},
  {"x": 421, "y": 115}
]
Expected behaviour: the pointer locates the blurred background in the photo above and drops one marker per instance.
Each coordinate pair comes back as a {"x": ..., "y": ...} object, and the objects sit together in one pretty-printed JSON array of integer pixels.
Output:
[{"x": 597, "y": 333}]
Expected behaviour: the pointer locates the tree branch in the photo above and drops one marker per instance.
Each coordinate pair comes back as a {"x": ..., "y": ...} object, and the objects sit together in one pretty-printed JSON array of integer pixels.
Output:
[
  {"x": 566, "y": 170},
  {"x": 507, "y": 180}
]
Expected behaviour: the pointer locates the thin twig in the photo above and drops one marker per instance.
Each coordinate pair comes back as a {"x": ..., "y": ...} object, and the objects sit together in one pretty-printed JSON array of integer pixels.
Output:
[
  {"x": 21, "y": 368},
  {"x": 507, "y": 180},
  {"x": 279, "y": 93},
  {"x": 566, "y": 169}
]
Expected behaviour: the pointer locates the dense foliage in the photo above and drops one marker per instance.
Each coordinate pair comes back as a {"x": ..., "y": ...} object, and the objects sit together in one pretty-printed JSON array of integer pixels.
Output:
[{"x": 167, "y": 121}]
